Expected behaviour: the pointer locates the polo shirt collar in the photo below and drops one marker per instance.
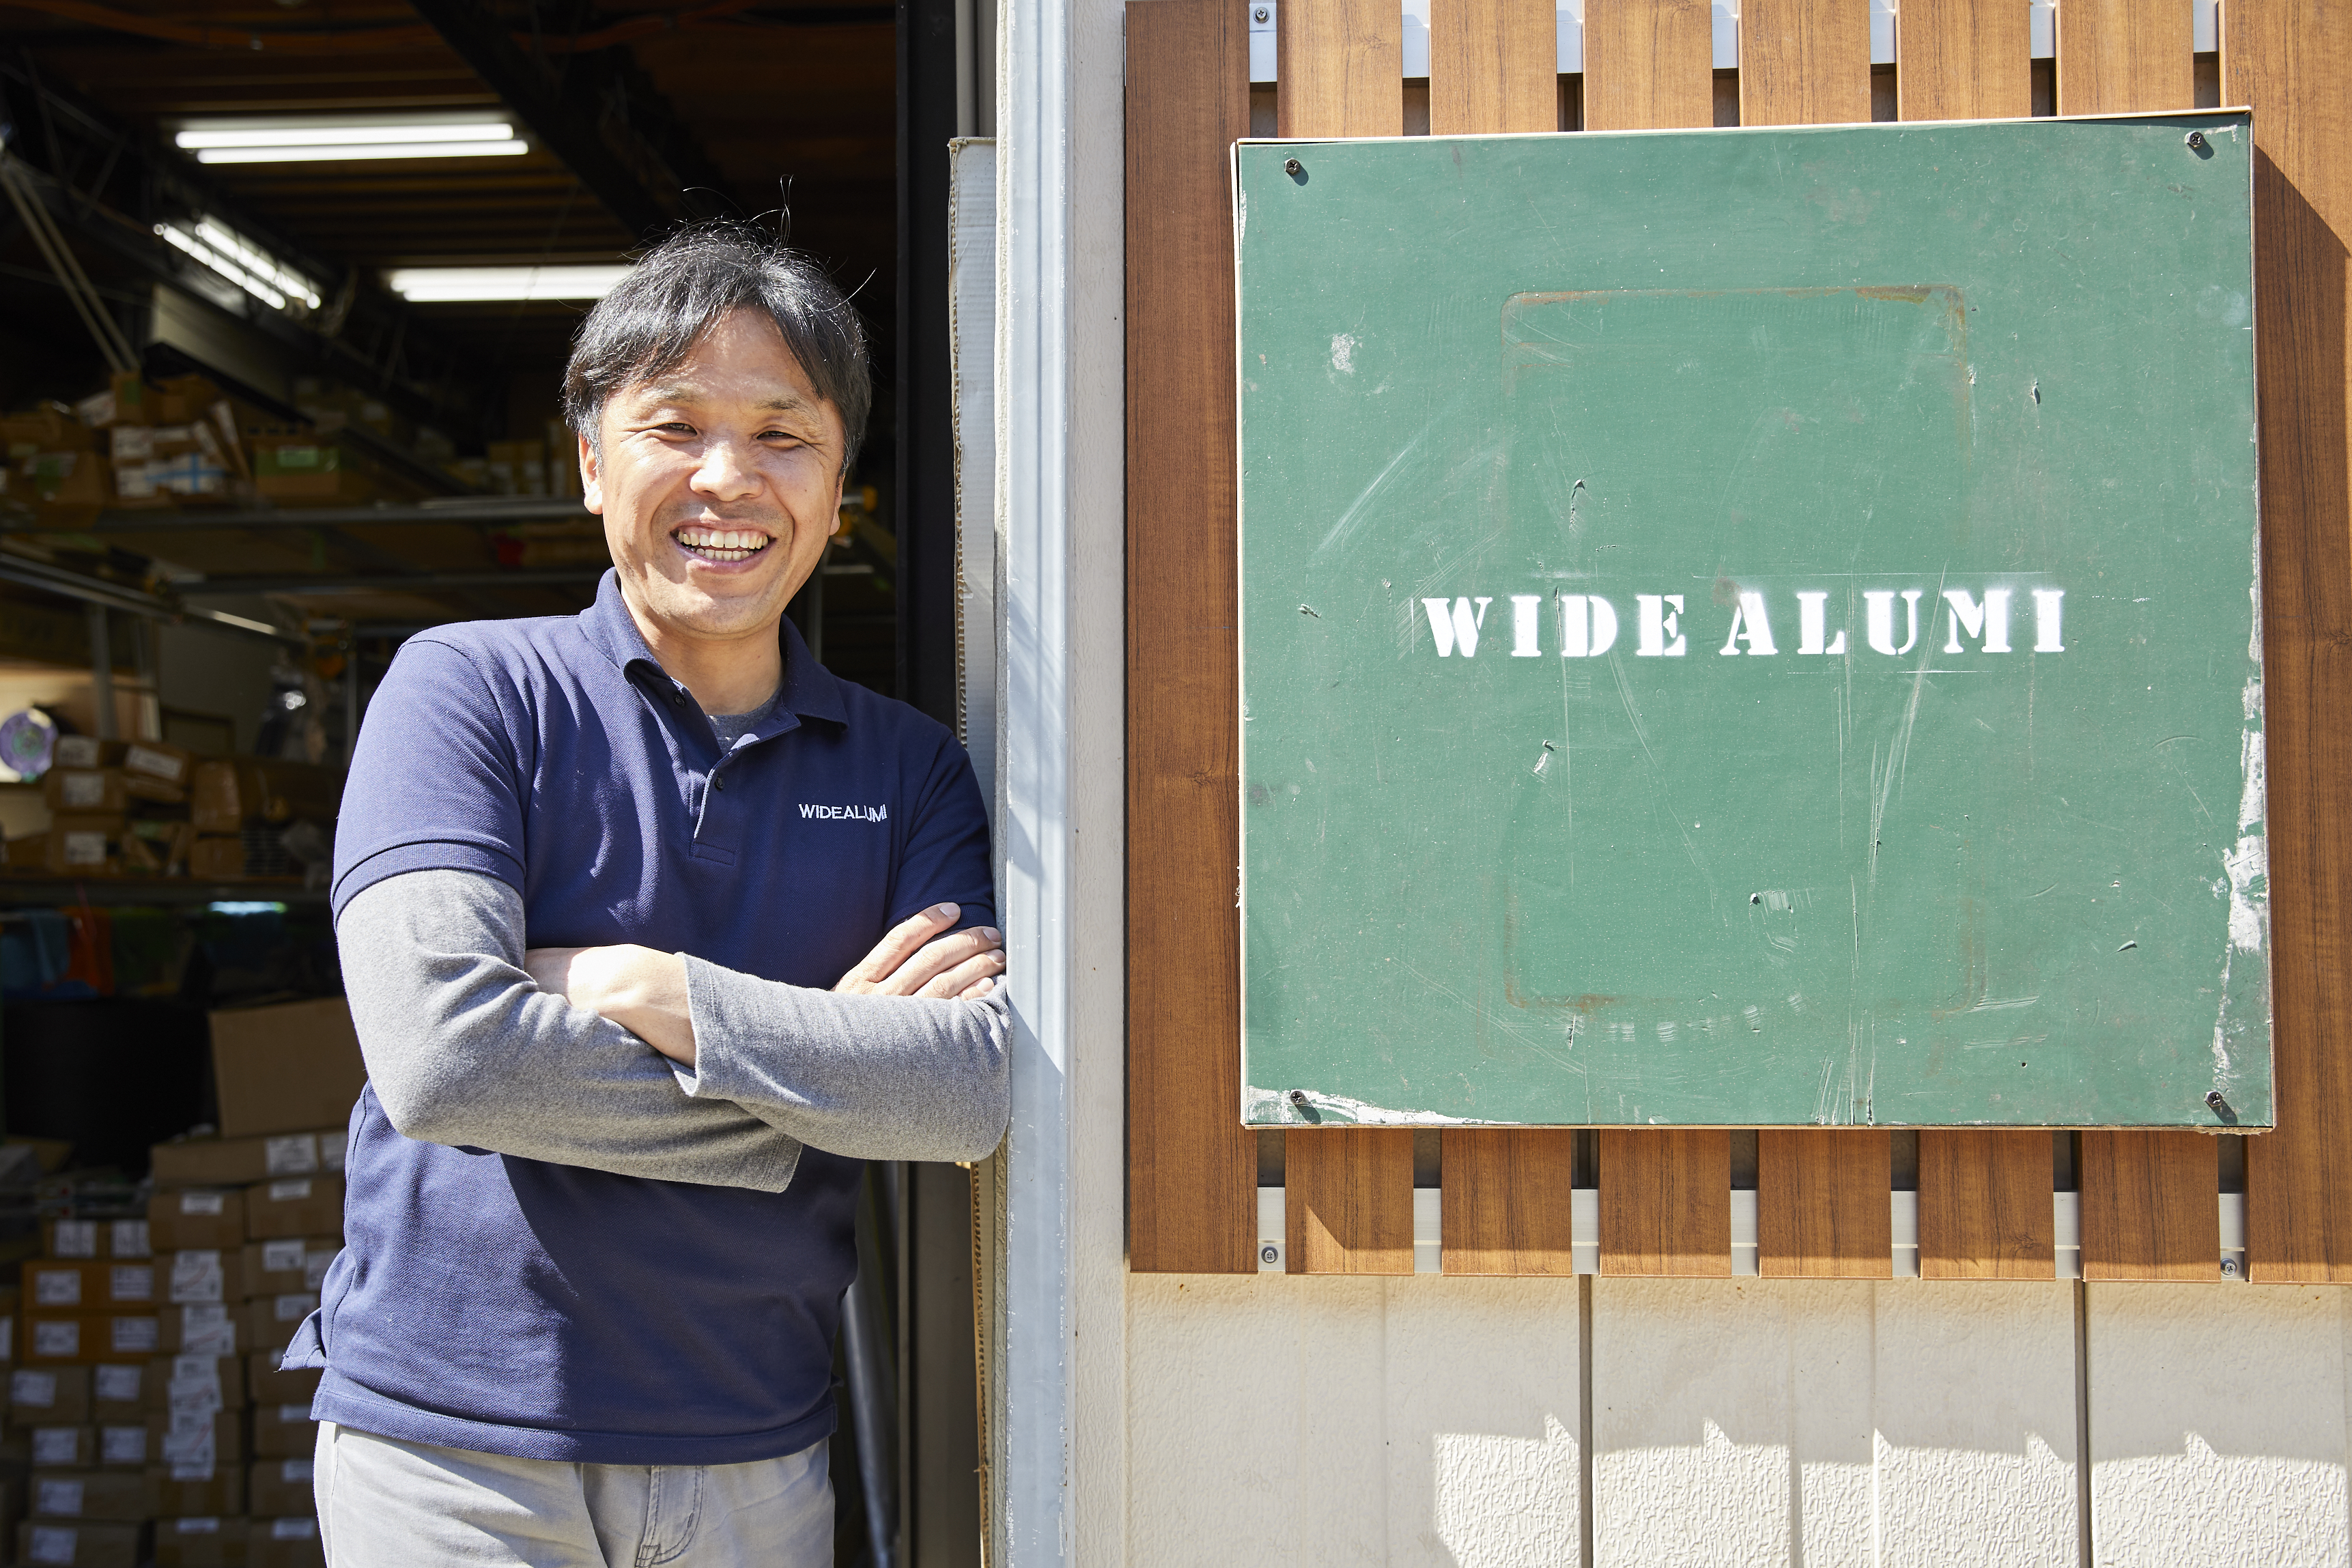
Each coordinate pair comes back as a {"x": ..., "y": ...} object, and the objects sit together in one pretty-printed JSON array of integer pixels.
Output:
[{"x": 809, "y": 690}]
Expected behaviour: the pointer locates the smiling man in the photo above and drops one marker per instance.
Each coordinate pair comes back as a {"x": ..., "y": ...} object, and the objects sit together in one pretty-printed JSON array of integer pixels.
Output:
[{"x": 653, "y": 930}]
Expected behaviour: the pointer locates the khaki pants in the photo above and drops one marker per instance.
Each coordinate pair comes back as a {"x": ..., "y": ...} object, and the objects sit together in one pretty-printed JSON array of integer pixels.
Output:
[{"x": 384, "y": 1503}]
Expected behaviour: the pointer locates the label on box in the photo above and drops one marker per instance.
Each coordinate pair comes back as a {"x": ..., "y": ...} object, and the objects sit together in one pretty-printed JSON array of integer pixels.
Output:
[
  {"x": 131, "y": 1281},
  {"x": 84, "y": 848},
  {"x": 56, "y": 1444},
  {"x": 198, "y": 1526},
  {"x": 279, "y": 1257},
  {"x": 194, "y": 1472},
  {"x": 57, "y": 1288},
  {"x": 118, "y": 1385},
  {"x": 77, "y": 1238},
  {"x": 293, "y": 1415},
  {"x": 129, "y": 1239},
  {"x": 78, "y": 751},
  {"x": 131, "y": 442},
  {"x": 207, "y": 1330},
  {"x": 289, "y": 1191},
  {"x": 85, "y": 790},
  {"x": 35, "y": 1390},
  {"x": 123, "y": 1445},
  {"x": 301, "y": 1529},
  {"x": 49, "y": 1544},
  {"x": 330, "y": 1149},
  {"x": 7, "y": 1335},
  {"x": 293, "y": 1309},
  {"x": 137, "y": 1336},
  {"x": 57, "y": 1339},
  {"x": 203, "y": 1202},
  {"x": 188, "y": 1442},
  {"x": 292, "y": 1155},
  {"x": 293, "y": 1471},
  {"x": 196, "y": 1276},
  {"x": 154, "y": 763},
  {"x": 58, "y": 1497},
  {"x": 315, "y": 1266},
  {"x": 195, "y": 1400}
]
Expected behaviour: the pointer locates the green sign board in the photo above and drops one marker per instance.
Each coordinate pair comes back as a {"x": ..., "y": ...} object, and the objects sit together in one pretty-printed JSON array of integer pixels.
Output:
[{"x": 1753, "y": 628}]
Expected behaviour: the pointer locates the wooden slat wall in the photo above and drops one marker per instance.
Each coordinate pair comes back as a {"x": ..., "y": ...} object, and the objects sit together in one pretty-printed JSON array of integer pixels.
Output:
[
  {"x": 2291, "y": 60},
  {"x": 1193, "y": 1168},
  {"x": 1984, "y": 1196}
]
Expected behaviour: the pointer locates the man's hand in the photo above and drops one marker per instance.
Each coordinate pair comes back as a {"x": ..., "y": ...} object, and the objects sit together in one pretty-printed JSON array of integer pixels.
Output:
[
  {"x": 915, "y": 960},
  {"x": 640, "y": 988}
]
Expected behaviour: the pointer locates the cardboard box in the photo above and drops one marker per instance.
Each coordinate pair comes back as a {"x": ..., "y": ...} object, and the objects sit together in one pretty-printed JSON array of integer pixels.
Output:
[
  {"x": 224, "y": 795},
  {"x": 214, "y": 1440},
  {"x": 84, "y": 789},
  {"x": 83, "y": 1544},
  {"x": 288, "y": 1544},
  {"x": 209, "y": 1541},
  {"x": 48, "y": 1397},
  {"x": 278, "y": 1488},
  {"x": 159, "y": 763},
  {"x": 196, "y": 1216},
  {"x": 181, "y": 399},
  {"x": 296, "y": 1206},
  {"x": 269, "y": 1384},
  {"x": 284, "y": 1432},
  {"x": 181, "y": 1491},
  {"x": 286, "y": 1068},
  {"x": 52, "y": 427},
  {"x": 235, "y": 1162},
  {"x": 72, "y": 1339},
  {"x": 202, "y": 1330},
  {"x": 117, "y": 1393},
  {"x": 65, "y": 1447},
  {"x": 125, "y": 1445},
  {"x": 270, "y": 1322},
  {"x": 96, "y": 1238},
  {"x": 83, "y": 845},
  {"x": 123, "y": 1496},
  {"x": 195, "y": 1384},
  {"x": 289, "y": 1264},
  {"x": 62, "y": 1284},
  {"x": 216, "y": 860},
  {"x": 202, "y": 1274}
]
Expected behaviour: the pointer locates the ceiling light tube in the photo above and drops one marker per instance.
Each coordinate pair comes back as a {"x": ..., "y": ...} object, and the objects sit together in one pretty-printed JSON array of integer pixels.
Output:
[
  {"x": 403, "y": 132},
  {"x": 456, "y": 285},
  {"x": 321, "y": 153}
]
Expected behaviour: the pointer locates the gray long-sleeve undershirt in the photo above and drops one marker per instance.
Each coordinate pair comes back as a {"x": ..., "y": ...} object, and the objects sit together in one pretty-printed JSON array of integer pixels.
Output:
[{"x": 463, "y": 1048}]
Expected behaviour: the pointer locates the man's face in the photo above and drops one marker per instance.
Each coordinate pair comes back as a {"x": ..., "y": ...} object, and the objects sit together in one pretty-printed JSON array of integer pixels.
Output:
[{"x": 718, "y": 483}]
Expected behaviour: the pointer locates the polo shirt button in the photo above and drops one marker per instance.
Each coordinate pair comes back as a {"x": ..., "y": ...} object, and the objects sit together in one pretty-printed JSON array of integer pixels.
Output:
[{"x": 719, "y": 781}]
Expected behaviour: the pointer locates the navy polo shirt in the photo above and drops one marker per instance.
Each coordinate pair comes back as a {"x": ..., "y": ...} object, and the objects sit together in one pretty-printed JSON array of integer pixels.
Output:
[{"x": 515, "y": 1306}]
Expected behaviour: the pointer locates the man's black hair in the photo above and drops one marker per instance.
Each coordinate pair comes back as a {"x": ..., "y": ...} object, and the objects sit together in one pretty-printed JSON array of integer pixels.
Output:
[{"x": 683, "y": 286}]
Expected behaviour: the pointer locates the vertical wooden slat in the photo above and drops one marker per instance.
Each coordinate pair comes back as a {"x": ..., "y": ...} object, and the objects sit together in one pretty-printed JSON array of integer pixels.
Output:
[
  {"x": 1964, "y": 59},
  {"x": 1507, "y": 1196},
  {"x": 1342, "y": 68},
  {"x": 1649, "y": 65},
  {"x": 1821, "y": 1205},
  {"x": 1666, "y": 1202},
  {"x": 1493, "y": 67},
  {"x": 2150, "y": 1207},
  {"x": 2290, "y": 60},
  {"x": 2121, "y": 56},
  {"x": 1984, "y": 1206},
  {"x": 1347, "y": 1200},
  {"x": 1191, "y": 1166},
  {"x": 1803, "y": 62}
]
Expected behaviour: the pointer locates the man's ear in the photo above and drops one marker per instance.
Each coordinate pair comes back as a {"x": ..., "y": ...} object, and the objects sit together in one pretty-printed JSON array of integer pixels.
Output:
[{"x": 592, "y": 480}]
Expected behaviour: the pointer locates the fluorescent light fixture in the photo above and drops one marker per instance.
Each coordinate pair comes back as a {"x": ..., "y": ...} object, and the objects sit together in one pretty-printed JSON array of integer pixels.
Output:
[
  {"x": 453, "y": 285},
  {"x": 225, "y": 251},
  {"x": 311, "y": 140}
]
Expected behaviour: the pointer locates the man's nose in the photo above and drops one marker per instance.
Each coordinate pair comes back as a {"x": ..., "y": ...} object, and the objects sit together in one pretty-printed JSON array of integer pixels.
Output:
[{"x": 725, "y": 472}]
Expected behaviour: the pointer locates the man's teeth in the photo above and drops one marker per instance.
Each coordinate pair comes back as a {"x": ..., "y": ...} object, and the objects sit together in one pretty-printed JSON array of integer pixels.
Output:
[{"x": 723, "y": 544}]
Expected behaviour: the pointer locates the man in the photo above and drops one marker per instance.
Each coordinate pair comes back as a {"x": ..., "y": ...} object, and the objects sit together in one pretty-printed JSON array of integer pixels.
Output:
[{"x": 651, "y": 930}]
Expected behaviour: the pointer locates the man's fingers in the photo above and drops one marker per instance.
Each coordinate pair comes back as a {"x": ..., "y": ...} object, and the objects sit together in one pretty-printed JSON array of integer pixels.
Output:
[
  {"x": 955, "y": 982},
  {"x": 904, "y": 940},
  {"x": 936, "y": 959}
]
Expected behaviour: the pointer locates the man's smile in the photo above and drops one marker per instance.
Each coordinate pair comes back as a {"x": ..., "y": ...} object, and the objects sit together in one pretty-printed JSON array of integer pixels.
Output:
[{"x": 721, "y": 544}]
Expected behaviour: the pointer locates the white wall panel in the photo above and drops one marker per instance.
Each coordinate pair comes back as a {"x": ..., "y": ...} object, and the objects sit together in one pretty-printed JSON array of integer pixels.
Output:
[{"x": 2218, "y": 1416}]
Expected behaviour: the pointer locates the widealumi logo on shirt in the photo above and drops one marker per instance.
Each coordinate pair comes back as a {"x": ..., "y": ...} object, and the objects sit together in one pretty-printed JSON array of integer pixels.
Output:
[{"x": 814, "y": 813}]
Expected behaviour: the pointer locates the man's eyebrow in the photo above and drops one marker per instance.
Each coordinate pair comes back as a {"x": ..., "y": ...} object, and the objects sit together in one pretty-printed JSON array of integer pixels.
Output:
[{"x": 788, "y": 402}]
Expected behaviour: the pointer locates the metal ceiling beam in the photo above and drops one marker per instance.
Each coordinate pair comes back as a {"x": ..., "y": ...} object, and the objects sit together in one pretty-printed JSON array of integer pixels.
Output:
[
  {"x": 116, "y": 596},
  {"x": 419, "y": 582},
  {"x": 488, "y": 511}
]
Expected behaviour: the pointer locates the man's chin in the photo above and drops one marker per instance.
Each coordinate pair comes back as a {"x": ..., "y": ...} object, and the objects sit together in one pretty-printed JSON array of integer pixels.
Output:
[{"x": 729, "y": 606}]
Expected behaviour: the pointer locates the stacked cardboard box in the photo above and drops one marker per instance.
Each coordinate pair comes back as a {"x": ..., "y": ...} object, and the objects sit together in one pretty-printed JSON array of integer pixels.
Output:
[{"x": 142, "y": 808}]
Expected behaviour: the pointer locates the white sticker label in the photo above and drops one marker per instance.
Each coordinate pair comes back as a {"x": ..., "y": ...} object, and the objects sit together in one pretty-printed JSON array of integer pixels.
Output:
[
  {"x": 203, "y": 1202},
  {"x": 194, "y": 1472},
  {"x": 86, "y": 792},
  {"x": 56, "y": 1287},
  {"x": 137, "y": 1336},
  {"x": 315, "y": 1267},
  {"x": 78, "y": 751},
  {"x": 51, "y": 1544},
  {"x": 289, "y": 1191},
  {"x": 56, "y": 1444},
  {"x": 188, "y": 1442},
  {"x": 84, "y": 848},
  {"x": 294, "y": 1470},
  {"x": 131, "y": 1282},
  {"x": 330, "y": 1149},
  {"x": 77, "y": 1238},
  {"x": 303, "y": 1528},
  {"x": 154, "y": 764},
  {"x": 199, "y": 1526},
  {"x": 123, "y": 1445},
  {"x": 118, "y": 1385},
  {"x": 281, "y": 1257},
  {"x": 35, "y": 1390},
  {"x": 58, "y": 1497},
  {"x": 294, "y": 1308},
  {"x": 196, "y": 1398},
  {"x": 292, "y": 1155},
  {"x": 196, "y": 1276},
  {"x": 57, "y": 1339},
  {"x": 129, "y": 1239}
]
